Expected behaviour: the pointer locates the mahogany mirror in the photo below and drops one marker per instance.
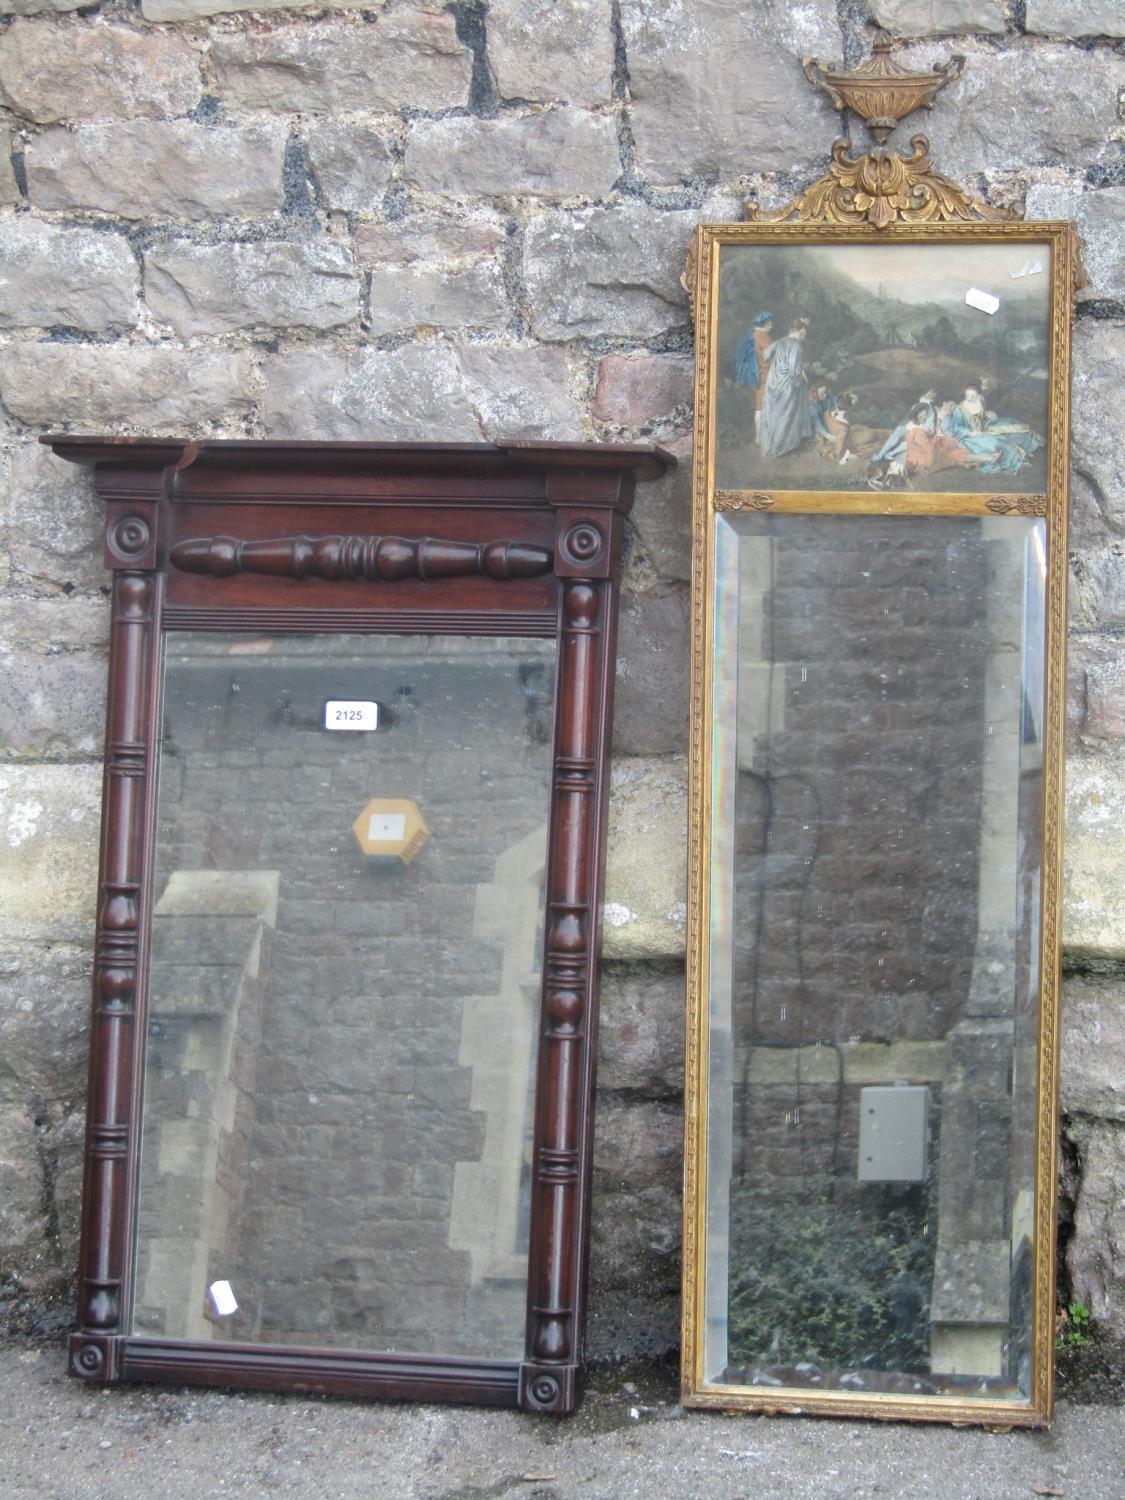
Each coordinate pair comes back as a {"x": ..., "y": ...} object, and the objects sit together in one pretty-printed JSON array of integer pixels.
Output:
[{"x": 345, "y": 999}]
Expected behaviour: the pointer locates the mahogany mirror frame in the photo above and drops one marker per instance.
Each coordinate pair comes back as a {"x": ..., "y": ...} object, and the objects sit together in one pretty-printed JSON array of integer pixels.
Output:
[{"x": 558, "y": 510}]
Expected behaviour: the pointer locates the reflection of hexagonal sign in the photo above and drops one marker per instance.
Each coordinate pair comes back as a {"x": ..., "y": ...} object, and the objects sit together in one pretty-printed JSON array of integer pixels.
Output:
[{"x": 390, "y": 828}]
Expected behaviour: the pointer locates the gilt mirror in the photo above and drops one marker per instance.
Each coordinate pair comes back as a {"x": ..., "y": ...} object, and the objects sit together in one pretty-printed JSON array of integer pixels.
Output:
[
  {"x": 345, "y": 995},
  {"x": 880, "y": 522}
]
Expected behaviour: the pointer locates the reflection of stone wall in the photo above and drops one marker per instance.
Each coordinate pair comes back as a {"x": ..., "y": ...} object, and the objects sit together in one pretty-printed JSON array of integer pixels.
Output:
[
  {"x": 886, "y": 888},
  {"x": 365, "y": 1094},
  {"x": 858, "y": 822},
  {"x": 209, "y": 973}
]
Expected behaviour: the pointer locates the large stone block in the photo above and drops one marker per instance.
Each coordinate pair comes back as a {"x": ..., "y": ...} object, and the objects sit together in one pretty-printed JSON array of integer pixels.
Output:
[
  {"x": 520, "y": 393},
  {"x": 646, "y": 860},
  {"x": 43, "y": 1023},
  {"x": 661, "y": 517},
  {"x": 640, "y": 1036},
  {"x": 37, "y": 7},
  {"x": 635, "y": 1226},
  {"x": 937, "y": 17},
  {"x": 1095, "y": 1253},
  {"x": 413, "y": 296},
  {"x": 1105, "y": 695},
  {"x": 560, "y": 153},
  {"x": 606, "y": 271},
  {"x": 433, "y": 240},
  {"x": 1100, "y": 215},
  {"x": 9, "y": 187},
  {"x": 552, "y": 49},
  {"x": 52, "y": 703},
  {"x": 22, "y": 1229},
  {"x": 206, "y": 289},
  {"x": 1076, "y": 17},
  {"x": 717, "y": 89},
  {"x": 653, "y": 661},
  {"x": 1094, "y": 856},
  {"x": 351, "y": 165},
  {"x": 413, "y": 393},
  {"x": 1033, "y": 105},
  {"x": 637, "y": 390},
  {"x": 408, "y": 56},
  {"x": 50, "y": 73},
  {"x": 191, "y": 10},
  {"x": 49, "y": 852},
  {"x": 421, "y": 391},
  {"x": 67, "y": 621},
  {"x": 161, "y": 167},
  {"x": 1097, "y": 410},
  {"x": 69, "y": 278},
  {"x": 56, "y": 521},
  {"x": 1084, "y": 655},
  {"x": 1093, "y": 1047},
  {"x": 1097, "y": 592},
  {"x": 159, "y": 389}
]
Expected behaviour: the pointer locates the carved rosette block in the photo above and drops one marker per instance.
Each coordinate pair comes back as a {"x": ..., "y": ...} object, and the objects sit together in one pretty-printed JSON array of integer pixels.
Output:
[
  {"x": 113, "y": 1050},
  {"x": 375, "y": 559},
  {"x": 94, "y": 1357},
  {"x": 548, "y": 1390}
]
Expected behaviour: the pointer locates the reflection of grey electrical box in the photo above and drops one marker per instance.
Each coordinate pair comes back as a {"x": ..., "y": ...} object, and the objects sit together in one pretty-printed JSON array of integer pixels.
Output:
[{"x": 894, "y": 1125}]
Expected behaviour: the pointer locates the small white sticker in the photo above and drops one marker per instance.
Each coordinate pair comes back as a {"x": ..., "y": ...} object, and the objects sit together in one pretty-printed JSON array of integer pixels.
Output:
[
  {"x": 350, "y": 713},
  {"x": 1029, "y": 268},
  {"x": 386, "y": 828},
  {"x": 984, "y": 300},
  {"x": 223, "y": 1299}
]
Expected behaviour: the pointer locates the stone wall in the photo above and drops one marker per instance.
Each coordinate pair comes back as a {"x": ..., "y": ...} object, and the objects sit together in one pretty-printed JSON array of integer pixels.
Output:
[{"x": 394, "y": 220}]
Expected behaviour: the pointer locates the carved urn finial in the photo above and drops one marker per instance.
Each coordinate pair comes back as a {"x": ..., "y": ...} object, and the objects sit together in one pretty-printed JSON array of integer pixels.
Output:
[
  {"x": 882, "y": 92},
  {"x": 880, "y": 188}
]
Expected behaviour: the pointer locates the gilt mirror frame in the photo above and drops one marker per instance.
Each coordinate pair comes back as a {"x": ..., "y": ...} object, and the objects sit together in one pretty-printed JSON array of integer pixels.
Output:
[
  {"x": 853, "y": 212},
  {"x": 409, "y": 539}
]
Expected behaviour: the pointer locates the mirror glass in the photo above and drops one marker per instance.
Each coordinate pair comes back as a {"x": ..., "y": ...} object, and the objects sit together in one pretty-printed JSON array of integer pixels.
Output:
[
  {"x": 876, "y": 808},
  {"x": 344, "y": 991}
]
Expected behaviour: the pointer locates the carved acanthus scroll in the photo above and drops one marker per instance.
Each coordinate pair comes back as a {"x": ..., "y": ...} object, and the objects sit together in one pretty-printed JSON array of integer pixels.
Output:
[
  {"x": 376, "y": 559},
  {"x": 880, "y": 188},
  {"x": 1017, "y": 505}
]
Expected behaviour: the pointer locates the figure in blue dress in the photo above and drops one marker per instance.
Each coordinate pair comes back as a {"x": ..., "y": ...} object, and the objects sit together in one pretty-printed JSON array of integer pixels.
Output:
[
  {"x": 1005, "y": 443},
  {"x": 750, "y": 363},
  {"x": 786, "y": 422}
]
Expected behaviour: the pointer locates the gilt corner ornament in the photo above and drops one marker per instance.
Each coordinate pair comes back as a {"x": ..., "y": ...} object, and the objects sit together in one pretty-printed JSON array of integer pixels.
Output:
[{"x": 880, "y": 187}]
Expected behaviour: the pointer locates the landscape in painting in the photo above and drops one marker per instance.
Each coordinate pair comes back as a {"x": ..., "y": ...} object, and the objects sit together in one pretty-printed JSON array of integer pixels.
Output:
[{"x": 844, "y": 367}]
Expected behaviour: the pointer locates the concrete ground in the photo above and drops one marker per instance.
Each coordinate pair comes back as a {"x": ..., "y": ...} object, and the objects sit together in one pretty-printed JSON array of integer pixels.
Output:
[{"x": 62, "y": 1440}]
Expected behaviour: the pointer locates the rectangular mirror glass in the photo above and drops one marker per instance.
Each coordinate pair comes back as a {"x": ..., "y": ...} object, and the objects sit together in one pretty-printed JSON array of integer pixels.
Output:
[
  {"x": 873, "y": 946},
  {"x": 343, "y": 993},
  {"x": 879, "y": 595}
]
